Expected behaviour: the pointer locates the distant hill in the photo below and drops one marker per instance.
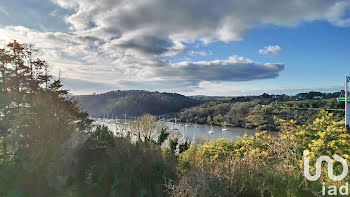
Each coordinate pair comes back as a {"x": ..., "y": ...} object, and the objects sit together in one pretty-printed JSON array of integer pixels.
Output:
[{"x": 134, "y": 103}]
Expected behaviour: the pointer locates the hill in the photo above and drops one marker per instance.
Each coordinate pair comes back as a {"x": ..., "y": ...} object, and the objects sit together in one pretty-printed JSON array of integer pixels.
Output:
[
  {"x": 134, "y": 103},
  {"x": 260, "y": 113}
]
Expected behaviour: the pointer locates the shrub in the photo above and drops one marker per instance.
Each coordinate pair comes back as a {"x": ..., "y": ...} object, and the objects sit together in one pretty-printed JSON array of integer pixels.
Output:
[{"x": 262, "y": 165}]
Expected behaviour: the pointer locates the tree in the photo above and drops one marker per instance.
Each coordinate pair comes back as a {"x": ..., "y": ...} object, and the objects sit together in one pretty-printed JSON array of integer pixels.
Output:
[
  {"x": 163, "y": 136},
  {"x": 37, "y": 119},
  {"x": 146, "y": 128},
  {"x": 209, "y": 120},
  {"x": 50, "y": 148}
]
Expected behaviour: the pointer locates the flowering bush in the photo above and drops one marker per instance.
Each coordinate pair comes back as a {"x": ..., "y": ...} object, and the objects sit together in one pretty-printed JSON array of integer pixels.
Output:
[{"x": 263, "y": 163}]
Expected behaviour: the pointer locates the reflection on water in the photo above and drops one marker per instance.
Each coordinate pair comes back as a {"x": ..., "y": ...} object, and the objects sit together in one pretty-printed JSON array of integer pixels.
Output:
[{"x": 191, "y": 132}]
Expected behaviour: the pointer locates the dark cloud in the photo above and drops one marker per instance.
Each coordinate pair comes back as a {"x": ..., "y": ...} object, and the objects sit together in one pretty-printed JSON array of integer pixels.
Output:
[
  {"x": 147, "y": 44},
  {"x": 233, "y": 69}
]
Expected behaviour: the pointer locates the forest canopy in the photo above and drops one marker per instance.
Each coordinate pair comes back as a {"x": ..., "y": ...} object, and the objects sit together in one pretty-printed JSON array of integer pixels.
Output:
[{"x": 134, "y": 103}]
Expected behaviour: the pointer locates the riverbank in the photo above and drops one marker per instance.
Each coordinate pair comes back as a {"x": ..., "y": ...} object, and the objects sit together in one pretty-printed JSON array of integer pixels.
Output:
[{"x": 260, "y": 116}]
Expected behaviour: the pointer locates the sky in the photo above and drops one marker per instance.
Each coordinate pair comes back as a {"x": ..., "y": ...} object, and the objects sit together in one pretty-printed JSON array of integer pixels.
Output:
[{"x": 192, "y": 47}]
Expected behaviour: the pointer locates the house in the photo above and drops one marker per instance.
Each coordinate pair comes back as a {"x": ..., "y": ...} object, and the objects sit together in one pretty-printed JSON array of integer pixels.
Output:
[{"x": 317, "y": 97}]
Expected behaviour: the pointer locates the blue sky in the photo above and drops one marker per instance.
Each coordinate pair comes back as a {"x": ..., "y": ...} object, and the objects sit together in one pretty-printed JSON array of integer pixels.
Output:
[
  {"x": 315, "y": 54},
  {"x": 190, "y": 47}
]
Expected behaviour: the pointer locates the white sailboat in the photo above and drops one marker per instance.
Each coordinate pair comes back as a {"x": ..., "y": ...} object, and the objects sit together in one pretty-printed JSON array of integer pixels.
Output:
[
  {"x": 224, "y": 128},
  {"x": 174, "y": 127},
  {"x": 194, "y": 139},
  {"x": 116, "y": 119},
  {"x": 125, "y": 123},
  {"x": 211, "y": 131},
  {"x": 187, "y": 125},
  {"x": 104, "y": 118}
]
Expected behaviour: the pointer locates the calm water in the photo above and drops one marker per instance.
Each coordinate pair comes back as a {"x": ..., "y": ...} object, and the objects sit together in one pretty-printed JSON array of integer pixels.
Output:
[
  {"x": 194, "y": 132},
  {"x": 191, "y": 132}
]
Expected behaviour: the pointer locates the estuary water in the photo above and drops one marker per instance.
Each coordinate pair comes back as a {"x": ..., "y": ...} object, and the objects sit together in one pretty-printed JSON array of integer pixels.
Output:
[{"x": 191, "y": 131}]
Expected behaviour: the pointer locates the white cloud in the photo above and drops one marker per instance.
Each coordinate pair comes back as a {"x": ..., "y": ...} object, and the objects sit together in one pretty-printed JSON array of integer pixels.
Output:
[
  {"x": 201, "y": 53},
  {"x": 112, "y": 64},
  {"x": 274, "y": 50},
  {"x": 336, "y": 14},
  {"x": 120, "y": 42},
  {"x": 176, "y": 49}
]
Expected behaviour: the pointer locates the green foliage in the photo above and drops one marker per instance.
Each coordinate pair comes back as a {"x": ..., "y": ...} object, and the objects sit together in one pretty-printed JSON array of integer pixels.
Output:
[
  {"x": 163, "y": 136},
  {"x": 239, "y": 114},
  {"x": 173, "y": 144},
  {"x": 49, "y": 147},
  {"x": 305, "y": 104},
  {"x": 261, "y": 114},
  {"x": 263, "y": 164},
  {"x": 121, "y": 168},
  {"x": 324, "y": 136},
  {"x": 185, "y": 146}
]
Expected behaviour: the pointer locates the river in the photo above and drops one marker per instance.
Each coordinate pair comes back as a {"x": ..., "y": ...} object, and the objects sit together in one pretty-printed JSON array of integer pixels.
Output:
[
  {"x": 191, "y": 132},
  {"x": 194, "y": 131}
]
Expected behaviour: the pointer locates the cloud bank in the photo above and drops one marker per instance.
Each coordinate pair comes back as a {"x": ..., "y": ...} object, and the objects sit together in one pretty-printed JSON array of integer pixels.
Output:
[{"x": 127, "y": 44}]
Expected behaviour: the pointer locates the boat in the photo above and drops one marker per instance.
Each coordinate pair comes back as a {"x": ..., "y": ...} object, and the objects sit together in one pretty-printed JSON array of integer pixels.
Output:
[
  {"x": 224, "y": 128},
  {"x": 211, "y": 131},
  {"x": 194, "y": 139},
  {"x": 125, "y": 123},
  {"x": 174, "y": 127},
  {"x": 104, "y": 118},
  {"x": 196, "y": 125},
  {"x": 187, "y": 125},
  {"x": 116, "y": 119}
]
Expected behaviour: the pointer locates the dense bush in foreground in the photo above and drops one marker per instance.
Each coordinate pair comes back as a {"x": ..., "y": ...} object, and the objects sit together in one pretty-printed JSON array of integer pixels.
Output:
[{"x": 264, "y": 164}]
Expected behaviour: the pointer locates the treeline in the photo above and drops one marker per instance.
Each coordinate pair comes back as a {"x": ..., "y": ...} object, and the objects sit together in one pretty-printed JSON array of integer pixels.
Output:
[
  {"x": 269, "y": 98},
  {"x": 260, "y": 113},
  {"x": 329, "y": 104},
  {"x": 239, "y": 114},
  {"x": 134, "y": 103}
]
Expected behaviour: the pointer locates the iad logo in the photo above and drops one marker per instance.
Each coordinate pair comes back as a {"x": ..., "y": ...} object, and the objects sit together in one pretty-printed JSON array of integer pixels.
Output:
[
  {"x": 332, "y": 190},
  {"x": 329, "y": 162}
]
